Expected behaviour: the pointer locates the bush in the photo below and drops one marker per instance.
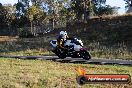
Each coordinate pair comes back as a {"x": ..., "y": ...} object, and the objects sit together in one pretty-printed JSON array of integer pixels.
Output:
[{"x": 25, "y": 33}]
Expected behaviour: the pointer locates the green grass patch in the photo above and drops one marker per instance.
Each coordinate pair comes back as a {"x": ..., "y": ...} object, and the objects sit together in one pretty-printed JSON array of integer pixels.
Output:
[
  {"x": 29, "y": 52},
  {"x": 16, "y": 73}
]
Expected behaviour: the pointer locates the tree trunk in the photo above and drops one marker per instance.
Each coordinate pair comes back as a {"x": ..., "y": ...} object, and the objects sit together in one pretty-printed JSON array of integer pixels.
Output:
[
  {"x": 53, "y": 24},
  {"x": 31, "y": 27}
]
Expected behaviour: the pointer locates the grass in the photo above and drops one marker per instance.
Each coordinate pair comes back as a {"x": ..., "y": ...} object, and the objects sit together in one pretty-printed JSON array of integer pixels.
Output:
[
  {"x": 24, "y": 46},
  {"x": 112, "y": 16},
  {"x": 119, "y": 51},
  {"x": 16, "y": 73},
  {"x": 29, "y": 52},
  {"x": 40, "y": 46}
]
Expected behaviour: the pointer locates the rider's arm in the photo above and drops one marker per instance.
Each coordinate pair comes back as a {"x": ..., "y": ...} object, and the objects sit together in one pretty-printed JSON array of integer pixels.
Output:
[{"x": 59, "y": 43}]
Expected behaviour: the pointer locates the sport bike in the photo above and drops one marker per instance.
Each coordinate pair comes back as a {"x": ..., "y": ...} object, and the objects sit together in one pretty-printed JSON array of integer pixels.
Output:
[{"x": 74, "y": 48}]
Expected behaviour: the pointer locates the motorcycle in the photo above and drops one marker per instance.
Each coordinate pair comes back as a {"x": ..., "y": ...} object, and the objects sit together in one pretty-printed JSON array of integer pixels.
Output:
[{"x": 74, "y": 49}]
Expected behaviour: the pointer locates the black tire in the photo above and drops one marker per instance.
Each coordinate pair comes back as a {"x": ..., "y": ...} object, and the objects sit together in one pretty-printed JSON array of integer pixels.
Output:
[
  {"x": 81, "y": 80},
  {"x": 59, "y": 54},
  {"x": 85, "y": 55}
]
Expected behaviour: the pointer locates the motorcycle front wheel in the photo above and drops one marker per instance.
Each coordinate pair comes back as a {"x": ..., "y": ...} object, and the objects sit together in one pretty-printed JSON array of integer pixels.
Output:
[
  {"x": 85, "y": 55},
  {"x": 60, "y": 54}
]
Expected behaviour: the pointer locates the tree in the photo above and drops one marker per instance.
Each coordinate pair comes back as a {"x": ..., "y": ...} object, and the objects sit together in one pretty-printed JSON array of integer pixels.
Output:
[
  {"x": 37, "y": 2},
  {"x": 25, "y": 3},
  {"x": 106, "y": 10},
  {"x": 128, "y": 3},
  {"x": 2, "y": 15},
  {"x": 85, "y": 7},
  {"x": 53, "y": 8},
  {"x": 20, "y": 10},
  {"x": 7, "y": 14},
  {"x": 34, "y": 13},
  {"x": 0, "y": 4},
  {"x": 10, "y": 15}
]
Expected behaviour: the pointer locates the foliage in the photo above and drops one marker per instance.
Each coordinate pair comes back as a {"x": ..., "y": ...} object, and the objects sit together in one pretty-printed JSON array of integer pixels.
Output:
[
  {"x": 34, "y": 13},
  {"x": 85, "y": 7},
  {"x": 6, "y": 15},
  {"x": 128, "y": 3},
  {"x": 106, "y": 10},
  {"x": 25, "y": 33},
  {"x": 51, "y": 13},
  {"x": 19, "y": 9}
]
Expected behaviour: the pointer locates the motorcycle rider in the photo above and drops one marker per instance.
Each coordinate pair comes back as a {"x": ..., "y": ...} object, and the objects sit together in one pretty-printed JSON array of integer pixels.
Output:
[{"x": 61, "y": 39}]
